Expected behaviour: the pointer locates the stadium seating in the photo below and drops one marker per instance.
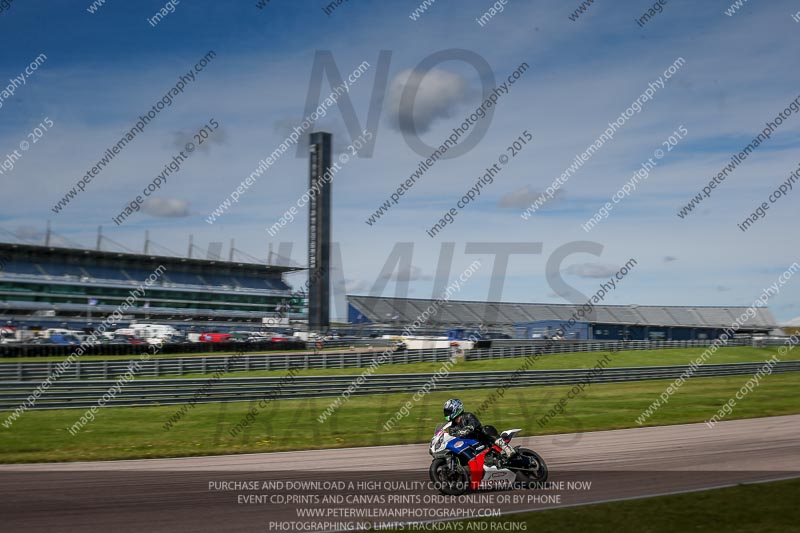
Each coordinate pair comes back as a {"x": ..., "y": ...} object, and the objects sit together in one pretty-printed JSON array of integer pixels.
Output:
[
  {"x": 62, "y": 269},
  {"x": 56, "y": 285},
  {"x": 218, "y": 280},
  {"x": 105, "y": 273},
  {"x": 22, "y": 267},
  {"x": 260, "y": 283},
  {"x": 132, "y": 275},
  {"x": 183, "y": 278},
  {"x": 138, "y": 274}
]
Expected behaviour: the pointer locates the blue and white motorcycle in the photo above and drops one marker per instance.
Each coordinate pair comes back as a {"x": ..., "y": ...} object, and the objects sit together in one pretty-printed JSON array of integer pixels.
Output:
[{"x": 460, "y": 465}]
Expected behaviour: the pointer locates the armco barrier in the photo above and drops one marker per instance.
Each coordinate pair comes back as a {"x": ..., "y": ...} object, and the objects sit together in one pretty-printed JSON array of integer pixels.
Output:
[
  {"x": 63, "y": 350},
  {"x": 82, "y": 394},
  {"x": 11, "y": 350},
  {"x": 180, "y": 366}
]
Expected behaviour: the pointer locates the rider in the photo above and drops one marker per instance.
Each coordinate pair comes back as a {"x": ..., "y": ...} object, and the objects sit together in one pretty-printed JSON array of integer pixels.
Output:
[{"x": 467, "y": 425}]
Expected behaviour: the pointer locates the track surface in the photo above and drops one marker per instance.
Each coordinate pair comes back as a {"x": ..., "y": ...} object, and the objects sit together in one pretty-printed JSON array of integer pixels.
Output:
[{"x": 187, "y": 494}]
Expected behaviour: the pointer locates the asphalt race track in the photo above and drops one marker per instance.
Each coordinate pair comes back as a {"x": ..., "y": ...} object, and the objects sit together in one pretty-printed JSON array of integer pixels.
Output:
[{"x": 379, "y": 485}]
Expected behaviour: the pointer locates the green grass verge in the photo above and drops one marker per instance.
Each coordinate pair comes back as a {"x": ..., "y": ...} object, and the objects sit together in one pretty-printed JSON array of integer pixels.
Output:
[
  {"x": 138, "y": 432},
  {"x": 630, "y": 358},
  {"x": 681, "y": 356},
  {"x": 762, "y": 507}
]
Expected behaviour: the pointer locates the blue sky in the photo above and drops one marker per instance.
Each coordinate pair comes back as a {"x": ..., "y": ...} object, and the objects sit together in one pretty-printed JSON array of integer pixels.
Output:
[{"x": 106, "y": 68}]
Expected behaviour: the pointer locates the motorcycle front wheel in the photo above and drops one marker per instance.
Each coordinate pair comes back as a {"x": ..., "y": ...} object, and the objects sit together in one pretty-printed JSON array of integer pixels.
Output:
[{"x": 452, "y": 482}]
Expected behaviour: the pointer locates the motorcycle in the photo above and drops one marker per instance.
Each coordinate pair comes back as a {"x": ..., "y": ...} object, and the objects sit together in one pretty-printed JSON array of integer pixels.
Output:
[{"x": 461, "y": 465}]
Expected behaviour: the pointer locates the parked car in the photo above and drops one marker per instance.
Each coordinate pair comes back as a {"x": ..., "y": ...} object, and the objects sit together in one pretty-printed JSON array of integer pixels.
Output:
[
  {"x": 215, "y": 337},
  {"x": 63, "y": 339},
  {"x": 125, "y": 339}
]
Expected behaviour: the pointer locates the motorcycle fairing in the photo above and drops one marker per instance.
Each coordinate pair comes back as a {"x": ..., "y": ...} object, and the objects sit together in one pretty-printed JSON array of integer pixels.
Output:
[
  {"x": 467, "y": 448},
  {"x": 493, "y": 475},
  {"x": 476, "y": 470}
]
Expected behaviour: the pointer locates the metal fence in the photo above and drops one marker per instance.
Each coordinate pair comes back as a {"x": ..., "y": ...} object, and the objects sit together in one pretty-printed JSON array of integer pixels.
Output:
[
  {"x": 83, "y": 394},
  {"x": 12, "y": 350},
  {"x": 517, "y": 348},
  {"x": 208, "y": 365},
  {"x": 180, "y": 366}
]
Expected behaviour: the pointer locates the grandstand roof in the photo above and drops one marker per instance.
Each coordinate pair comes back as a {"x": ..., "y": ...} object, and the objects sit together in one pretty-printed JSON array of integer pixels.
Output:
[
  {"x": 10, "y": 251},
  {"x": 453, "y": 313}
]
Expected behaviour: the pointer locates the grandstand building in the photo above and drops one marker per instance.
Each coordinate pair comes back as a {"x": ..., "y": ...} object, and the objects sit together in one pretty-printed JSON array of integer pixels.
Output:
[
  {"x": 53, "y": 287},
  {"x": 534, "y": 321}
]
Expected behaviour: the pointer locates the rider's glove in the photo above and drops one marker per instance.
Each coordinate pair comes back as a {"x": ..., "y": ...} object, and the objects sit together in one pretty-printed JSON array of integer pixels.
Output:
[{"x": 466, "y": 430}]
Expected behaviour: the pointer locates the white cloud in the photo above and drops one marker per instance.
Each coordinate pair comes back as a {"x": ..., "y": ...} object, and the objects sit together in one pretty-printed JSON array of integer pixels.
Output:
[
  {"x": 523, "y": 197},
  {"x": 440, "y": 94},
  {"x": 166, "y": 207},
  {"x": 793, "y": 323},
  {"x": 413, "y": 274},
  {"x": 591, "y": 270},
  {"x": 29, "y": 233}
]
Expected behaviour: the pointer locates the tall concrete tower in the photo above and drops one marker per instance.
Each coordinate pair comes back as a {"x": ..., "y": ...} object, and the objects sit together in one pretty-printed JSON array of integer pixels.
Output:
[{"x": 319, "y": 232}]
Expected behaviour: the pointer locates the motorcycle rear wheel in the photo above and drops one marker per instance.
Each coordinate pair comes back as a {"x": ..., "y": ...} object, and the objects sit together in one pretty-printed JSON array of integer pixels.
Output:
[{"x": 538, "y": 473}]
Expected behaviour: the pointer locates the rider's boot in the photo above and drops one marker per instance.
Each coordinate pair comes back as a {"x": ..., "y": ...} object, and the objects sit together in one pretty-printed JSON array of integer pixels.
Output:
[{"x": 508, "y": 451}]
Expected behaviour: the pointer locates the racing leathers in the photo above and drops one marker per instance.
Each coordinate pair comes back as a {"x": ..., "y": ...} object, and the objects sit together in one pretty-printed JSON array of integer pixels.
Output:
[{"x": 468, "y": 426}]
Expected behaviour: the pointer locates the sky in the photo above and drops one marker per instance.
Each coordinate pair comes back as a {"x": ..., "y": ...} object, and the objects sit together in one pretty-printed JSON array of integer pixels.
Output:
[{"x": 106, "y": 68}]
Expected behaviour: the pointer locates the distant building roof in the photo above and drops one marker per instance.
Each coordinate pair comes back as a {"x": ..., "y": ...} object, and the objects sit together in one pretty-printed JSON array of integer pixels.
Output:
[{"x": 380, "y": 309}]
